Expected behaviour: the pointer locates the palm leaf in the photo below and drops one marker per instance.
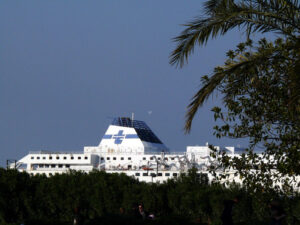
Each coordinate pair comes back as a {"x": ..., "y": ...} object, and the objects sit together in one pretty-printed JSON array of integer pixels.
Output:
[
  {"x": 241, "y": 66},
  {"x": 220, "y": 16},
  {"x": 282, "y": 17}
]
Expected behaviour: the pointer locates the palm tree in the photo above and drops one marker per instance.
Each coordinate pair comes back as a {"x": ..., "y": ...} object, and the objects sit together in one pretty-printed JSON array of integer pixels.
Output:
[{"x": 221, "y": 16}]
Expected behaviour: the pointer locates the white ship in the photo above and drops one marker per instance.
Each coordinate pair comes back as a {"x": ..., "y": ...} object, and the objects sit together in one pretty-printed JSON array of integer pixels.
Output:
[{"x": 128, "y": 146}]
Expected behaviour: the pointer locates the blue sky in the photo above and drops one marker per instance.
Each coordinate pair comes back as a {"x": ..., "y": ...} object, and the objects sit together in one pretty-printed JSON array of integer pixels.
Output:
[{"x": 68, "y": 67}]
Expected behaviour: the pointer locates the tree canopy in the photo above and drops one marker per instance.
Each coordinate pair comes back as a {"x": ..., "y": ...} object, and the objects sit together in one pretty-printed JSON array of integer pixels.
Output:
[
  {"x": 221, "y": 16},
  {"x": 97, "y": 197},
  {"x": 258, "y": 106},
  {"x": 260, "y": 85}
]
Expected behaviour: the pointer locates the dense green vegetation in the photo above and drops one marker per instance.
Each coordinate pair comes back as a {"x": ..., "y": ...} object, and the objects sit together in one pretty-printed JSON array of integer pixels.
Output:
[{"x": 98, "y": 197}]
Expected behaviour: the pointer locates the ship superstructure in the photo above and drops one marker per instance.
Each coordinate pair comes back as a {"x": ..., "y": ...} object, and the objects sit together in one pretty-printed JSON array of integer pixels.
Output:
[{"x": 128, "y": 146}]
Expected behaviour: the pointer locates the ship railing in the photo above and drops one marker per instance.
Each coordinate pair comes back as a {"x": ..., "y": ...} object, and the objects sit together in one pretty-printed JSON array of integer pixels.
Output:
[
  {"x": 56, "y": 152},
  {"x": 176, "y": 153},
  {"x": 145, "y": 171},
  {"x": 116, "y": 152},
  {"x": 106, "y": 152}
]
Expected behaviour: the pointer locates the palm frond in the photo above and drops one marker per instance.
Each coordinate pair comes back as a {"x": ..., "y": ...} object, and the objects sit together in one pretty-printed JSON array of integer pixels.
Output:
[
  {"x": 223, "y": 15},
  {"x": 213, "y": 6},
  {"x": 217, "y": 78}
]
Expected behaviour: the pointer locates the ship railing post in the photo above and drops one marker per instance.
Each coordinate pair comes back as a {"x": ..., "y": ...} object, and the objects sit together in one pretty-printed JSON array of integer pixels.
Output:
[{"x": 9, "y": 161}]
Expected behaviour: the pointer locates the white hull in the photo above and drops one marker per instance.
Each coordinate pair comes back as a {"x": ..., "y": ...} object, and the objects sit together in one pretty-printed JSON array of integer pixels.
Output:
[{"x": 128, "y": 147}]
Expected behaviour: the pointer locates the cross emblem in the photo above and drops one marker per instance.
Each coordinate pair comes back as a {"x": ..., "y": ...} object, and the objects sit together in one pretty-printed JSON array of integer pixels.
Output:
[{"x": 119, "y": 137}]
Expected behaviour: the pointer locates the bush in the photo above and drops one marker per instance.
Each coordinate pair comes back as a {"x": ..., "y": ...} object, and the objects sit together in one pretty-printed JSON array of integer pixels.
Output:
[{"x": 97, "y": 198}]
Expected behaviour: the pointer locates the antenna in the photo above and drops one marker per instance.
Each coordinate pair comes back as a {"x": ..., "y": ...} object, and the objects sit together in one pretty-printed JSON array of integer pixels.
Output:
[{"x": 132, "y": 118}]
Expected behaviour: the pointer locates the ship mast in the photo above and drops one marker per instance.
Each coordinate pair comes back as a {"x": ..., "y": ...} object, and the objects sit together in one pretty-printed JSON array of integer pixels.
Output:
[{"x": 132, "y": 118}]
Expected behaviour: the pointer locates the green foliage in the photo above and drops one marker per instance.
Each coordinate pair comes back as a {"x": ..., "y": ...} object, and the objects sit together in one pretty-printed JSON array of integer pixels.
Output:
[
  {"x": 221, "y": 16},
  {"x": 96, "y": 198},
  {"x": 260, "y": 83},
  {"x": 262, "y": 104}
]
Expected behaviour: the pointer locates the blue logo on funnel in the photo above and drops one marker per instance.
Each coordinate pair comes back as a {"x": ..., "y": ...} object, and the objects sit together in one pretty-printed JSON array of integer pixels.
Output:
[{"x": 119, "y": 137}]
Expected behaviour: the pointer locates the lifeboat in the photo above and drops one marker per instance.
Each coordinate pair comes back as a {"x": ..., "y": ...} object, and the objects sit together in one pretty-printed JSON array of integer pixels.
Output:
[{"x": 147, "y": 168}]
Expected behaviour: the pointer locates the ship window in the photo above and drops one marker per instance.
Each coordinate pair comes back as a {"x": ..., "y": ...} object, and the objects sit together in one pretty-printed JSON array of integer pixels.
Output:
[
  {"x": 32, "y": 157},
  {"x": 151, "y": 158},
  {"x": 72, "y": 157},
  {"x": 137, "y": 174},
  {"x": 129, "y": 167},
  {"x": 159, "y": 174},
  {"x": 41, "y": 166},
  {"x": 53, "y": 166},
  {"x": 174, "y": 174},
  {"x": 152, "y": 174},
  {"x": 102, "y": 158},
  {"x": 46, "y": 166},
  {"x": 172, "y": 158},
  {"x": 166, "y": 158},
  {"x": 167, "y": 174},
  {"x": 44, "y": 157},
  {"x": 57, "y": 157},
  {"x": 145, "y": 174},
  {"x": 129, "y": 158},
  {"x": 114, "y": 158},
  {"x": 37, "y": 157},
  {"x": 85, "y": 157},
  {"x": 67, "y": 166},
  {"x": 79, "y": 157},
  {"x": 144, "y": 158},
  {"x": 34, "y": 166},
  {"x": 158, "y": 158},
  {"x": 65, "y": 157},
  {"x": 50, "y": 157},
  {"x": 60, "y": 166},
  {"x": 50, "y": 174},
  {"x": 122, "y": 158},
  {"x": 108, "y": 158}
]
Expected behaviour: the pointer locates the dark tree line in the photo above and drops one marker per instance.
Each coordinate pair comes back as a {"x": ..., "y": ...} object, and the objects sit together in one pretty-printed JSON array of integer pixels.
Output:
[{"x": 96, "y": 198}]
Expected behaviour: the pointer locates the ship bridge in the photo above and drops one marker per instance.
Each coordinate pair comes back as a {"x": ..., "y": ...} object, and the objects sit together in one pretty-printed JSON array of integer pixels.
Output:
[{"x": 125, "y": 135}]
